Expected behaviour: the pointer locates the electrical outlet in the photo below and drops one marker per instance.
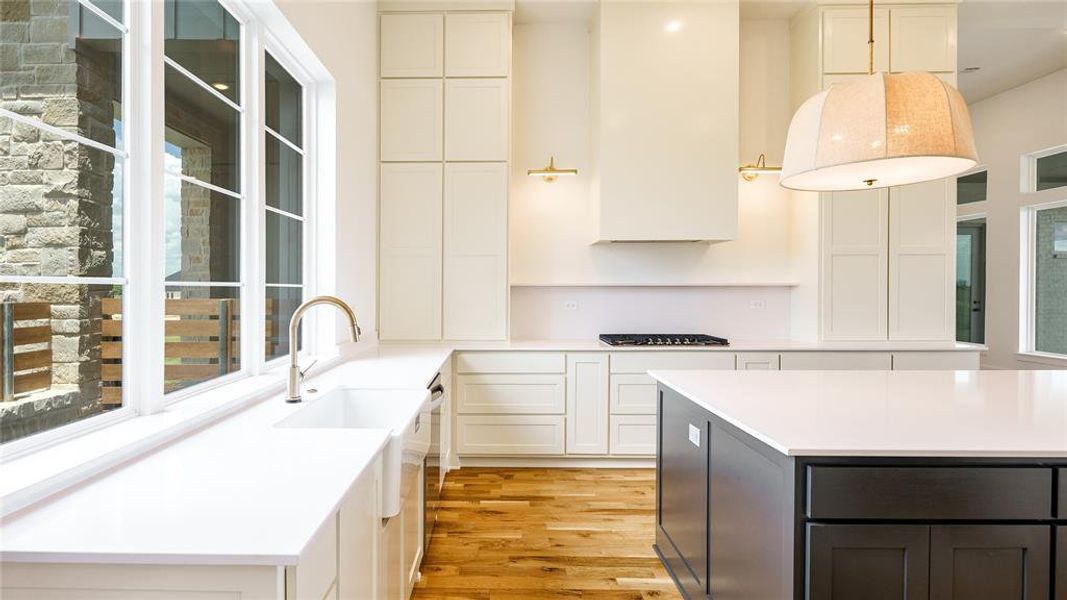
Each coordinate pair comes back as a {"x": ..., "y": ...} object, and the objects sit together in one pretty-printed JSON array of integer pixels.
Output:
[
  {"x": 757, "y": 304},
  {"x": 694, "y": 435},
  {"x": 570, "y": 305}
]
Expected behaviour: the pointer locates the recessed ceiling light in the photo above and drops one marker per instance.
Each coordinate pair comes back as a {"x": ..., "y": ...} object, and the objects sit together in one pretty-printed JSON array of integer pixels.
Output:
[
  {"x": 220, "y": 86},
  {"x": 970, "y": 69},
  {"x": 673, "y": 26}
]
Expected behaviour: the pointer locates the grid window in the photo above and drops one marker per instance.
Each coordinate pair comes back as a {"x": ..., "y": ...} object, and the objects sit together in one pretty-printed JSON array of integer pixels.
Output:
[
  {"x": 1051, "y": 171},
  {"x": 1049, "y": 247},
  {"x": 972, "y": 188},
  {"x": 202, "y": 199},
  {"x": 62, "y": 163},
  {"x": 284, "y": 218}
]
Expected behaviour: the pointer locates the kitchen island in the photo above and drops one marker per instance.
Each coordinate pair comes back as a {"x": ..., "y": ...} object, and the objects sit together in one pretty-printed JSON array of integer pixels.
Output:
[{"x": 863, "y": 484}]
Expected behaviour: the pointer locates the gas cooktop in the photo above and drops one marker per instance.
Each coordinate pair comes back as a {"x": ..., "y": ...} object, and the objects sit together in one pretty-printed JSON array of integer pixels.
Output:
[{"x": 662, "y": 339}]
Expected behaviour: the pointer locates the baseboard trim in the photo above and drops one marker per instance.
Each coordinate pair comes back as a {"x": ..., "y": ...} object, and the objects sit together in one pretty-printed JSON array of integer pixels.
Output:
[{"x": 554, "y": 462}]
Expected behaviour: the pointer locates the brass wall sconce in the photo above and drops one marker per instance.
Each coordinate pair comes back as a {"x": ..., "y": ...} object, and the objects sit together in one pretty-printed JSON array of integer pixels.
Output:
[
  {"x": 751, "y": 172},
  {"x": 550, "y": 172}
]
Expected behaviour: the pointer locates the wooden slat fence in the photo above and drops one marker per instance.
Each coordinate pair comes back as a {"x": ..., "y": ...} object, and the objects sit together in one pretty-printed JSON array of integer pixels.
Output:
[{"x": 25, "y": 348}]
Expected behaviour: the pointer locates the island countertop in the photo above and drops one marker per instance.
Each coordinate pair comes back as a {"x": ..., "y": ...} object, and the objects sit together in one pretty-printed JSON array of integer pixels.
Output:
[{"x": 888, "y": 413}]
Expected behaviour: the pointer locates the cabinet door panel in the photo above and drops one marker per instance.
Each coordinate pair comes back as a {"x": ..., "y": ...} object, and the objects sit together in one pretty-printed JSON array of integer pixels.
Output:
[
  {"x": 359, "y": 523},
  {"x": 633, "y": 394},
  {"x": 868, "y": 562},
  {"x": 475, "y": 262},
  {"x": 587, "y": 403},
  {"x": 479, "y": 45},
  {"x": 923, "y": 39},
  {"x": 476, "y": 119},
  {"x": 410, "y": 251},
  {"x": 412, "y": 119},
  {"x": 316, "y": 572},
  {"x": 633, "y": 435},
  {"x": 412, "y": 45},
  {"x": 845, "y": 40},
  {"x": 855, "y": 262},
  {"x": 989, "y": 562},
  {"x": 922, "y": 262}
]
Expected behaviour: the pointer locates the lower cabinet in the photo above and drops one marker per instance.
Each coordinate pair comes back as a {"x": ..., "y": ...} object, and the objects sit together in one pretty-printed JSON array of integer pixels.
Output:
[
  {"x": 919, "y": 562},
  {"x": 402, "y": 540},
  {"x": 633, "y": 435},
  {"x": 488, "y": 435}
]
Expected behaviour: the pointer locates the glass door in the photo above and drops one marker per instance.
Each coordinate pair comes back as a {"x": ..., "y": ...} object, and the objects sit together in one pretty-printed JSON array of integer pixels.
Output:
[{"x": 970, "y": 280}]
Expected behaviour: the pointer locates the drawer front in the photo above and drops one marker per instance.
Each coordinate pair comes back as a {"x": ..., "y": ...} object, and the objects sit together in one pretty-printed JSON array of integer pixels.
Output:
[
  {"x": 485, "y": 435},
  {"x": 633, "y": 394},
  {"x": 950, "y": 493},
  {"x": 511, "y": 362},
  {"x": 927, "y": 361},
  {"x": 758, "y": 361},
  {"x": 1061, "y": 508},
  {"x": 641, "y": 362},
  {"x": 633, "y": 435},
  {"x": 836, "y": 361},
  {"x": 511, "y": 394}
]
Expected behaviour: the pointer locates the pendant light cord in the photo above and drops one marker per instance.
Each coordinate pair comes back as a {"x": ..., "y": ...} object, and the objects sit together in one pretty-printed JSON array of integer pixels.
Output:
[{"x": 870, "y": 37}]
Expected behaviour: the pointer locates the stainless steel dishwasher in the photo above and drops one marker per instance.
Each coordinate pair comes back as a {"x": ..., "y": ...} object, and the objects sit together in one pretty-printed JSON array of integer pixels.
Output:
[{"x": 434, "y": 471}]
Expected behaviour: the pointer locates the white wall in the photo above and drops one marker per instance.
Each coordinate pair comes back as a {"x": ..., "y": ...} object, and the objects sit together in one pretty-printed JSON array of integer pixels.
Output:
[
  {"x": 552, "y": 226},
  {"x": 344, "y": 35},
  {"x": 1019, "y": 121}
]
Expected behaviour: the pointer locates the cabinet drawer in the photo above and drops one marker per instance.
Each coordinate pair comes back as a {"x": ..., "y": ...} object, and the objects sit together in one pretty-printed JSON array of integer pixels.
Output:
[
  {"x": 758, "y": 361},
  {"x": 951, "y": 493},
  {"x": 527, "y": 394},
  {"x": 633, "y": 435},
  {"x": 641, "y": 362},
  {"x": 927, "y": 361},
  {"x": 633, "y": 394},
  {"x": 511, "y": 362},
  {"x": 837, "y": 361},
  {"x": 509, "y": 435}
]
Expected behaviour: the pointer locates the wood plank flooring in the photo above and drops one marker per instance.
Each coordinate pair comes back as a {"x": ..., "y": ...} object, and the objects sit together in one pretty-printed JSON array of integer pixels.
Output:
[{"x": 505, "y": 534}]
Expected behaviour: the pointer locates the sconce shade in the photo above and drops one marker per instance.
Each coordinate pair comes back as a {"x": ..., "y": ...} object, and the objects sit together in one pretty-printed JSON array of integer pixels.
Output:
[{"x": 877, "y": 131}]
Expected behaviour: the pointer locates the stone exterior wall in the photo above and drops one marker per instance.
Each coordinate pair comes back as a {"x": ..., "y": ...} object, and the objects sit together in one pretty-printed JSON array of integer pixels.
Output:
[{"x": 56, "y": 200}]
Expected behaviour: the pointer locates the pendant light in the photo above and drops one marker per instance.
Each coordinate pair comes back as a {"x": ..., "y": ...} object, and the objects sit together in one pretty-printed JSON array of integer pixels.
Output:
[{"x": 878, "y": 131}]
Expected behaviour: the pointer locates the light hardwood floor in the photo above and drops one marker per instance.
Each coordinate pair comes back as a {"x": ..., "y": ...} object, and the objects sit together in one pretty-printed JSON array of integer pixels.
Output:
[{"x": 545, "y": 533}]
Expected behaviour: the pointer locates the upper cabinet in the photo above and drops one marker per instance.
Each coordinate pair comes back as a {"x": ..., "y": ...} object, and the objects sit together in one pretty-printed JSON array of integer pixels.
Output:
[
  {"x": 845, "y": 32},
  {"x": 412, "y": 45},
  {"x": 476, "y": 119},
  {"x": 478, "y": 45},
  {"x": 923, "y": 39},
  {"x": 665, "y": 120},
  {"x": 412, "y": 120}
]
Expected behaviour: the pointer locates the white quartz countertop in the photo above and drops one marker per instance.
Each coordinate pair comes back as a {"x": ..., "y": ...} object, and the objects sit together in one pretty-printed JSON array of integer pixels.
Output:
[
  {"x": 240, "y": 491},
  {"x": 595, "y": 345},
  {"x": 888, "y": 413}
]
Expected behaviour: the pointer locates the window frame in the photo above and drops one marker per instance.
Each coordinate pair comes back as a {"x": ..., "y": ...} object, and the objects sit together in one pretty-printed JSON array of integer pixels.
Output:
[
  {"x": 1028, "y": 170},
  {"x": 1028, "y": 283},
  {"x": 263, "y": 28}
]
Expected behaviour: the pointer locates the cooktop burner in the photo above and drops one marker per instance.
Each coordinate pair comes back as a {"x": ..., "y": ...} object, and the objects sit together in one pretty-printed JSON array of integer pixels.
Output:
[{"x": 662, "y": 339}]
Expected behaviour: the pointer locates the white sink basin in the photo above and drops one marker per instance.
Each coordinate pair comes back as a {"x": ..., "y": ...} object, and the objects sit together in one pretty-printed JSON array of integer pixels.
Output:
[{"x": 404, "y": 413}]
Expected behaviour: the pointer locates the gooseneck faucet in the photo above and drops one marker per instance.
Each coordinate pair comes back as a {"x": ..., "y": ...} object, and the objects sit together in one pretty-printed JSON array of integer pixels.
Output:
[{"x": 295, "y": 374}]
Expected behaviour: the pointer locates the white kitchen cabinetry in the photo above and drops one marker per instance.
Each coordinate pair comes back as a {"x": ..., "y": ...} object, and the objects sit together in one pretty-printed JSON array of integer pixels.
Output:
[
  {"x": 476, "y": 119},
  {"x": 845, "y": 32},
  {"x": 317, "y": 571},
  {"x": 837, "y": 361},
  {"x": 632, "y": 394},
  {"x": 410, "y": 251},
  {"x": 511, "y": 362},
  {"x": 475, "y": 251},
  {"x": 412, "y": 120},
  {"x": 855, "y": 295},
  {"x": 486, "y": 435},
  {"x": 934, "y": 361},
  {"x": 412, "y": 45},
  {"x": 665, "y": 120},
  {"x": 511, "y": 393},
  {"x": 412, "y": 526},
  {"x": 587, "y": 403},
  {"x": 922, "y": 261},
  {"x": 633, "y": 435},
  {"x": 923, "y": 38},
  {"x": 758, "y": 361},
  {"x": 479, "y": 44},
  {"x": 358, "y": 544},
  {"x": 642, "y": 362}
]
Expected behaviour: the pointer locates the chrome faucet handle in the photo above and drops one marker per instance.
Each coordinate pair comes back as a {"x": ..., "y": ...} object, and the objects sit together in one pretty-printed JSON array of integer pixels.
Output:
[{"x": 304, "y": 372}]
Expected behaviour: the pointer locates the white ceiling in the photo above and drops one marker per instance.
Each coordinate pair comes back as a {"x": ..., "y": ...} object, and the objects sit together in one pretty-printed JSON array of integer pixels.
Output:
[{"x": 1013, "y": 41}]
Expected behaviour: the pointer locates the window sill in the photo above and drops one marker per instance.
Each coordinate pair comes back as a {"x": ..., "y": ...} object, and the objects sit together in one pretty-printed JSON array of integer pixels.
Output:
[
  {"x": 35, "y": 476},
  {"x": 1043, "y": 358}
]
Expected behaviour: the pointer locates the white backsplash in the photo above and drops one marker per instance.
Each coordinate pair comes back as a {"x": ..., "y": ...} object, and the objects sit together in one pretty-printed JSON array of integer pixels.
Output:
[{"x": 567, "y": 313}]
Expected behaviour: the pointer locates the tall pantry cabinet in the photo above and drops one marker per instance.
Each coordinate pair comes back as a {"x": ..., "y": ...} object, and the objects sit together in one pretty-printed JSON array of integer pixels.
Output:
[
  {"x": 887, "y": 257},
  {"x": 443, "y": 189}
]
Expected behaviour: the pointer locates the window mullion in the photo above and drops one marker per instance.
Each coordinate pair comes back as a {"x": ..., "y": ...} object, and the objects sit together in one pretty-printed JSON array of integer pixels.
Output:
[
  {"x": 144, "y": 305},
  {"x": 253, "y": 299}
]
